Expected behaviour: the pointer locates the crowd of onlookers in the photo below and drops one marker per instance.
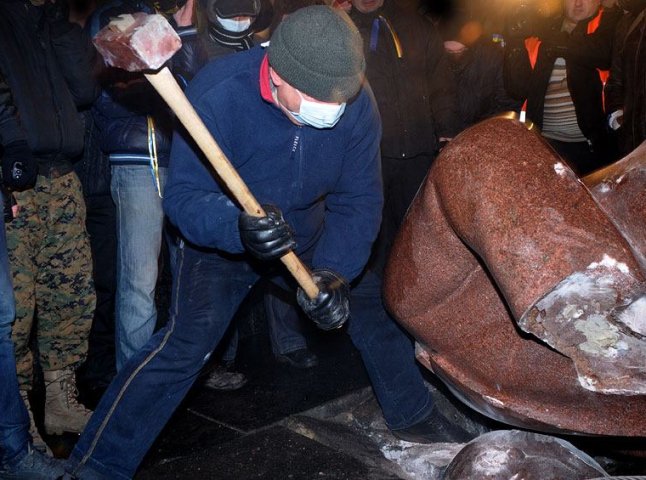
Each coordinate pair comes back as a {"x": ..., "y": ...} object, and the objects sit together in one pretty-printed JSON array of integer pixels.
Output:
[{"x": 92, "y": 190}]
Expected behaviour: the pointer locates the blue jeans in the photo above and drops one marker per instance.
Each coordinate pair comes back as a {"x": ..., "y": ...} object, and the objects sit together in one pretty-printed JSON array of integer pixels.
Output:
[
  {"x": 140, "y": 222},
  {"x": 207, "y": 291},
  {"x": 14, "y": 421},
  {"x": 284, "y": 323},
  {"x": 388, "y": 354}
]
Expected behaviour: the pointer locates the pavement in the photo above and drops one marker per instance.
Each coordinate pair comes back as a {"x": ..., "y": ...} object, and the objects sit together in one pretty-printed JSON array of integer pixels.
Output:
[
  {"x": 321, "y": 423},
  {"x": 288, "y": 423}
]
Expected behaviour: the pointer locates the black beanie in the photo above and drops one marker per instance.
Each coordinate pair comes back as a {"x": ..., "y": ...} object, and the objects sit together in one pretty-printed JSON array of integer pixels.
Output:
[
  {"x": 319, "y": 51},
  {"x": 234, "y": 8}
]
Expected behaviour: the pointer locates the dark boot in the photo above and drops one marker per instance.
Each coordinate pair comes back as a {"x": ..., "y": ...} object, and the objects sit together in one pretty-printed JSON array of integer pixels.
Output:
[{"x": 434, "y": 429}]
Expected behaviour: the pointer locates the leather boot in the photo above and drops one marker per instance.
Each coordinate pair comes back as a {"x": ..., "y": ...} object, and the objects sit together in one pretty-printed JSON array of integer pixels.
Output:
[
  {"x": 435, "y": 428},
  {"x": 63, "y": 412},
  {"x": 36, "y": 440}
]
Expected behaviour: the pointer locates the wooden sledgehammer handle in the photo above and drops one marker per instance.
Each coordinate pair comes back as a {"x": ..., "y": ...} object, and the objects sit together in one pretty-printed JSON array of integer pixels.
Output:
[{"x": 166, "y": 85}]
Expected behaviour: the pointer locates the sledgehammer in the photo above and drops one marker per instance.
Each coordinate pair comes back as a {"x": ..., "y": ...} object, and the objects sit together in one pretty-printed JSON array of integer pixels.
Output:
[{"x": 141, "y": 42}]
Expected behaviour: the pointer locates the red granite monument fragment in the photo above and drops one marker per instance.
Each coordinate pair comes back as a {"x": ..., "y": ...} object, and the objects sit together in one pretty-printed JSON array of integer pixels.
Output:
[{"x": 524, "y": 295}]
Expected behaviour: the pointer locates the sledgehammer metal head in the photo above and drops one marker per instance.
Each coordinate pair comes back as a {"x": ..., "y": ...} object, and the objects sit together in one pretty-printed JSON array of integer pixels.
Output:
[{"x": 137, "y": 42}]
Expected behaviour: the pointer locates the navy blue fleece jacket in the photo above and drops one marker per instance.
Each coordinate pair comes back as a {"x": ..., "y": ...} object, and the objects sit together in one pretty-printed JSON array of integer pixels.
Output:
[{"x": 327, "y": 182}]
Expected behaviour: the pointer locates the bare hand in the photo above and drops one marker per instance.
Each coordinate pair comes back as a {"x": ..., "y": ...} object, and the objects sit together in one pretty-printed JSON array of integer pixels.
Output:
[
  {"x": 345, "y": 5},
  {"x": 184, "y": 16}
]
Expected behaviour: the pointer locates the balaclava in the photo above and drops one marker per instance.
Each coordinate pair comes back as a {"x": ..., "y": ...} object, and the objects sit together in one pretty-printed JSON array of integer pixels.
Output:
[{"x": 229, "y": 9}]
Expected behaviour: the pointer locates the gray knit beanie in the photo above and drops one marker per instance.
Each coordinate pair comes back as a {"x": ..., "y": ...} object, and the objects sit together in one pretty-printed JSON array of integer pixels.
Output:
[{"x": 319, "y": 51}]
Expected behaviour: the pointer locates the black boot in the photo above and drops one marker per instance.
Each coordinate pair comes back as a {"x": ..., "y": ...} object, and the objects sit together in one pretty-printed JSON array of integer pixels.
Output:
[
  {"x": 434, "y": 429},
  {"x": 302, "y": 358}
]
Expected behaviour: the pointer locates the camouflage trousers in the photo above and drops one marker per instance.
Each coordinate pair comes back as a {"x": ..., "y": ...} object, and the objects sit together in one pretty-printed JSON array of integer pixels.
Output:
[{"x": 51, "y": 266}]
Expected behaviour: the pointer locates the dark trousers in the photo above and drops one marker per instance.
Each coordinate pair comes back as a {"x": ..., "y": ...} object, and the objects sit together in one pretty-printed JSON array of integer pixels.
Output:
[
  {"x": 99, "y": 367},
  {"x": 581, "y": 157},
  {"x": 402, "y": 178}
]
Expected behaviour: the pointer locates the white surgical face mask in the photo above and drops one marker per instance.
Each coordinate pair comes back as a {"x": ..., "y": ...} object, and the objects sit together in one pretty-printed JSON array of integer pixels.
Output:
[
  {"x": 232, "y": 25},
  {"x": 318, "y": 115}
]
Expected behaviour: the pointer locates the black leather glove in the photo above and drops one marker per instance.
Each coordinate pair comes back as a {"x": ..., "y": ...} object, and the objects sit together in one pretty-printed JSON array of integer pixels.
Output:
[
  {"x": 331, "y": 307},
  {"x": 19, "y": 168},
  {"x": 268, "y": 237}
]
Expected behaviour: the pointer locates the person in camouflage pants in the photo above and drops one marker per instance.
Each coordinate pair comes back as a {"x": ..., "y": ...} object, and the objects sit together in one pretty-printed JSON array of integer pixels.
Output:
[
  {"x": 47, "y": 63},
  {"x": 51, "y": 264},
  {"x": 19, "y": 458}
]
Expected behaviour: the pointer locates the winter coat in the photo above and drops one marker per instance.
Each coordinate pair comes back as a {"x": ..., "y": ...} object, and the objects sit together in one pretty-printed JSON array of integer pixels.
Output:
[
  {"x": 49, "y": 72},
  {"x": 327, "y": 182},
  {"x": 10, "y": 129},
  {"x": 127, "y": 99},
  {"x": 626, "y": 87},
  {"x": 585, "y": 53},
  {"x": 415, "y": 92},
  {"x": 480, "y": 87}
]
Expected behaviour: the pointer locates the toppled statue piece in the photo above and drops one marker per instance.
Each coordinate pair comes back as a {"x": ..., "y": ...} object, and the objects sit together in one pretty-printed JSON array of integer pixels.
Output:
[
  {"x": 510, "y": 454},
  {"x": 503, "y": 236},
  {"x": 596, "y": 317}
]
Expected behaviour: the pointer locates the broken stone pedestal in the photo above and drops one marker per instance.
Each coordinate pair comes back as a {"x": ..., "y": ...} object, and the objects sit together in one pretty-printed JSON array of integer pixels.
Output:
[{"x": 525, "y": 289}]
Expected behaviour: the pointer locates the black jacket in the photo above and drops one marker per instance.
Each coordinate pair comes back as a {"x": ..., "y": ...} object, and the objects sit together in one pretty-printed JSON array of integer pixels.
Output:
[
  {"x": 127, "y": 99},
  {"x": 415, "y": 93},
  {"x": 10, "y": 128},
  {"x": 18, "y": 167},
  {"x": 584, "y": 53},
  {"x": 626, "y": 87},
  {"x": 49, "y": 71},
  {"x": 480, "y": 87}
]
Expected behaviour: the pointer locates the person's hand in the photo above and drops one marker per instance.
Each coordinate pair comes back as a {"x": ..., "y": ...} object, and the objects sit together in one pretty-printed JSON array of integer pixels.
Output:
[
  {"x": 268, "y": 237},
  {"x": 10, "y": 210},
  {"x": 331, "y": 307},
  {"x": 345, "y": 5},
  {"x": 19, "y": 168},
  {"x": 616, "y": 119},
  {"x": 443, "y": 142},
  {"x": 184, "y": 16}
]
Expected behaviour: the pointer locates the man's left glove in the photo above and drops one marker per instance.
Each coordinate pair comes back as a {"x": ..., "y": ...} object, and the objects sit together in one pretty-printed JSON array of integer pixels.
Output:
[
  {"x": 19, "y": 168},
  {"x": 331, "y": 307},
  {"x": 268, "y": 237}
]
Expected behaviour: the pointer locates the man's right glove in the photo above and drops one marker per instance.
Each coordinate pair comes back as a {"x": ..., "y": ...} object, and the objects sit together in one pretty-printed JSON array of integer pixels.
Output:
[
  {"x": 331, "y": 307},
  {"x": 268, "y": 237},
  {"x": 19, "y": 168}
]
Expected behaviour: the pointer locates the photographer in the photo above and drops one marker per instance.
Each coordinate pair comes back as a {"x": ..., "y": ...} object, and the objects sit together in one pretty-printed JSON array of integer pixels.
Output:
[{"x": 557, "y": 65}]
